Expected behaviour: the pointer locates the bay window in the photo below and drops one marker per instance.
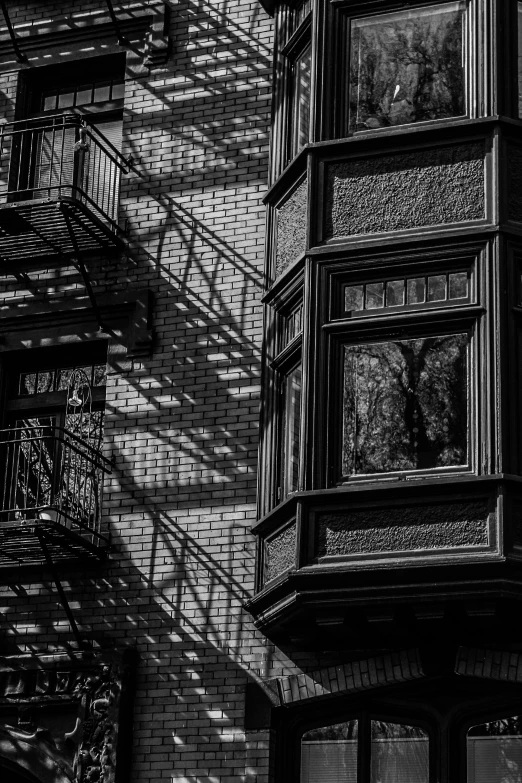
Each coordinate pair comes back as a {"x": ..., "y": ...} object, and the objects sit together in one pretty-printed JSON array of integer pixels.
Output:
[{"x": 407, "y": 66}]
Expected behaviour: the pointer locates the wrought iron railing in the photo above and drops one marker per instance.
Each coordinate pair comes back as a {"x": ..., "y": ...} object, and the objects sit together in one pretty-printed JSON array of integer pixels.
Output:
[
  {"x": 60, "y": 156},
  {"x": 50, "y": 475}
]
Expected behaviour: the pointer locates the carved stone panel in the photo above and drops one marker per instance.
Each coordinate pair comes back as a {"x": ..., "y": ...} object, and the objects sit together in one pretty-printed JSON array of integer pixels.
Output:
[
  {"x": 65, "y": 712},
  {"x": 291, "y": 228},
  {"x": 280, "y": 553},
  {"x": 403, "y": 529},
  {"x": 405, "y": 190}
]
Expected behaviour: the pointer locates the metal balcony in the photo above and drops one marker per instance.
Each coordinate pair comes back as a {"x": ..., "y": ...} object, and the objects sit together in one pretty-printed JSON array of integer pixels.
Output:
[
  {"x": 59, "y": 188},
  {"x": 50, "y": 496}
]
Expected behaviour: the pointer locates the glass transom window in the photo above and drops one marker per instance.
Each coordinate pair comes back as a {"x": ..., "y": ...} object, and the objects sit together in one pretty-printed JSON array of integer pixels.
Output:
[{"x": 407, "y": 66}]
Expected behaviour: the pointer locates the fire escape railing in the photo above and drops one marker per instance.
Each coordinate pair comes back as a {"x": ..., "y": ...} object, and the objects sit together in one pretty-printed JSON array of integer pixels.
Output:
[
  {"x": 53, "y": 477},
  {"x": 61, "y": 157}
]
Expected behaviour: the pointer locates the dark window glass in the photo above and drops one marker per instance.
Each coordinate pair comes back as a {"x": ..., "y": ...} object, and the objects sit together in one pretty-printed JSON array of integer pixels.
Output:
[
  {"x": 329, "y": 754},
  {"x": 301, "y": 12},
  {"x": 405, "y": 405},
  {"x": 292, "y": 385},
  {"x": 494, "y": 751},
  {"x": 399, "y": 753},
  {"x": 407, "y": 67},
  {"x": 300, "y": 102}
]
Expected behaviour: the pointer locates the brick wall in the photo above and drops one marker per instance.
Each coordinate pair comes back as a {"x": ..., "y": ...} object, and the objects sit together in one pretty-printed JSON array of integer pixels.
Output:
[{"x": 182, "y": 422}]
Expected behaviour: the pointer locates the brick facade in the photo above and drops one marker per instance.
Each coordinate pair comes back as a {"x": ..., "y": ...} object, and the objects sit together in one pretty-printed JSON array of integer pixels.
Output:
[{"x": 183, "y": 420}]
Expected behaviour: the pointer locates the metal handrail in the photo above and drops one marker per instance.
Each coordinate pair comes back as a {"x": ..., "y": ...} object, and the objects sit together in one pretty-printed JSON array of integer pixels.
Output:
[
  {"x": 51, "y": 474},
  {"x": 60, "y": 156}
]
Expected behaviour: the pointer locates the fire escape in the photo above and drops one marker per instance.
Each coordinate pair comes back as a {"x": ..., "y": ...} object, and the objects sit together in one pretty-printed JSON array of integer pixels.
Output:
[{"x": 59, "y": 192}]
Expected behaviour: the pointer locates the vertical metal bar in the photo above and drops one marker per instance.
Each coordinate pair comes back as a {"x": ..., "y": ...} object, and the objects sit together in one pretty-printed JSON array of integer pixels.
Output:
[{"x": 82, "y": 643}]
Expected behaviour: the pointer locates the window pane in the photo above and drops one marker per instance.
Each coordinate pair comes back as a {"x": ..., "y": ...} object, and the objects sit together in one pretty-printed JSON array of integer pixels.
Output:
[
  {"x": 45, "y": 381},
  {"x": 405, "y": 405},
  {"x": 292, "y": 420},
  {"x": 416, "y": 290},
  {"x": 329, "y": 754},
  {"x": 300, "y": 103},
  {"x": 458, "y": 285},
  {"x": 84, "y": 95},
  {"x": 374, "y": 296},
  {"x": 407, "y": 67},
  {"x": 436, "y": 288},
  {"x": 27, "y": 383},
  {"x": 66, "y": 99},
  {"x": 394, "y": 293},
  {"x": 494, "y": 751},
  {"x": 49, "y": 100},
  {"x": 354, "y": 297},
  {"x": 102, "y": 92},
  {"x": 118, "y": 91},
  {"x": 399, "y": 753}
]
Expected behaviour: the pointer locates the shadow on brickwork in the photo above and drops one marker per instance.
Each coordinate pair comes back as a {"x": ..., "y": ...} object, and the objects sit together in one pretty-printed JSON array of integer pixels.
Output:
[{"x": 179, "y": 575}]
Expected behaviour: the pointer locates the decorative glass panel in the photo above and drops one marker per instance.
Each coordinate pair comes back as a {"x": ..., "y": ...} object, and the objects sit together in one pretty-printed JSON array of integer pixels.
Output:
[
  {"x": 407, "y": 67},
  {"x": 329, "y": 754},
  {"x": 405, "y": 405},
  {"x": 433, "y": 290},
  {"x": 84, "y": 95},
  {"x": 66, "y": 98},
  {"x": 300, "y": 102},
  {"x": 292, "y": 421},
  {"x": 494, "y": 751},
  {"x": 118, "y": 91},
  {"x": 399, "y": 753}
]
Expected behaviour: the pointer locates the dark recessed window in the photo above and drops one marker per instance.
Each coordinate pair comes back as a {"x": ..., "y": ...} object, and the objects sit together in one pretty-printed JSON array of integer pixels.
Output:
[
  {"x": 299, "y": 109},
  {"x": 405, "y": 405},
  {"x": 407, "y": 66},
  {"x": 291, "y": 409}
]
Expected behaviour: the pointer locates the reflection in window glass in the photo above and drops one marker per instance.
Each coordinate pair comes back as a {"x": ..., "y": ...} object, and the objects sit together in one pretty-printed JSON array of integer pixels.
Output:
[
  {"x": 399, "y": 753},
  {"x": 458, "y": 285},
  {"x": 300, "y": 102},
  {"x": 330, "y": 754},
  {"x": 374, "y": 296},
  {"x": 395, "y": 293},
  {"x": 292, "y": 420},
  {"x": 405, "y": 405},
  {"x": 494, "y": 751},
  {"x": 354, "y": 297},
  {"x": 406, "y": 67},
  {"x": 416, "y": 290},
  {"x": 437, "y": 288}
]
